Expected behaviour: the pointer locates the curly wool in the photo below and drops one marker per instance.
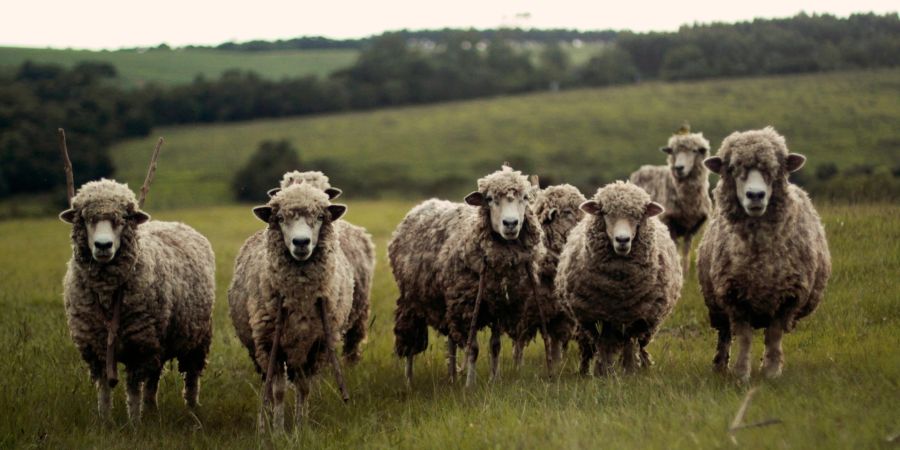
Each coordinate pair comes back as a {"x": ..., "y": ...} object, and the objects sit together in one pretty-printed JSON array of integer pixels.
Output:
[
  {"x": 564, "y": 201},
  {"x": 437, "y": 254},
  {"x": 167, "y": 273},
  {"x": 686, "y": 201},
  {"x": 634, "y": 293},
  {"x": 265, "y": 271},
  {"x": 759, "y": 269},
  {"x": 316, "y": 179}
]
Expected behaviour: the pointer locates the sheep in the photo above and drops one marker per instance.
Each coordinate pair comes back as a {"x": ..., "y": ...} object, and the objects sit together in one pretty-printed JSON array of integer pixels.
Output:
[
  {"x": 360, "y": 251},
  {"x": 621, "y": 269},
  {"x": 557, "y": 210},
  {"x": 681, "y": 187},
  {"x": 447, "y": 257},
  {"x": 288, "y": 278},
  {"x": 764, "y": 260},
  {"x": 155, "y": 280}
]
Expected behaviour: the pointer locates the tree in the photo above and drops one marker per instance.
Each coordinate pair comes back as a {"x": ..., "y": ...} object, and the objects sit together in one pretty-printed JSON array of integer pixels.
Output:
[{"x": 261, "y": 173}]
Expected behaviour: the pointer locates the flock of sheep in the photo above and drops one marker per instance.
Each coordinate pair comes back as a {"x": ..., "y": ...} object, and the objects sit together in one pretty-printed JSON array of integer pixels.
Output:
[{"x": 514, "y": 258}]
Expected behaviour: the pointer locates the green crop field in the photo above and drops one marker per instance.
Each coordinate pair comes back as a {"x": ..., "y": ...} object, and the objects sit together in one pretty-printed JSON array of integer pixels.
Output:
[
  {"x": 839, "y": 389},
  {"x": 585, "y": 137},
  {"x": 181, "y": 66}
]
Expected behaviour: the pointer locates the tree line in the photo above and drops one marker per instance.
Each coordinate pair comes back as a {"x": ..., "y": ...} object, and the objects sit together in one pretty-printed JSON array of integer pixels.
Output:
[{"x": 400, "y": 68}]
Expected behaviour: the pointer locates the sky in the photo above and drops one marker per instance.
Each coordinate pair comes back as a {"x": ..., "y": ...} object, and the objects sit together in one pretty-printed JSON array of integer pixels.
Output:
[{"x": 97, "y": 24}]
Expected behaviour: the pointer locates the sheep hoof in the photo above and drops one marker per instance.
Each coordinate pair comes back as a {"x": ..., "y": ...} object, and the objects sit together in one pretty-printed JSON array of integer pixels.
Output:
[{"x": 771, "y": 370}]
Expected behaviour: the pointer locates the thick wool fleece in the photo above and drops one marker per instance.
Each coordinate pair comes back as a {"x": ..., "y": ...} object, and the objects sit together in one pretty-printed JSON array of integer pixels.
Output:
[
  {"x": 167, "y": 273},
  {"x": 686, "y": 201},
  {"x": 557, "y": 210},
  {"x": 758, "y": 269},
  {"x": 437, "y": 253},
  {"x": 265, "y": 271},
  {"x": 632, "y": 293},
  {"x": 359, "y": 249}
]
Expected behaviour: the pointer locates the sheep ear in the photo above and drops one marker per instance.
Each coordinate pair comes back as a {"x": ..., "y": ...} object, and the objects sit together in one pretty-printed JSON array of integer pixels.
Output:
[
  {"x": 273, "y": 191},
  {"x": 263, "y": 212},
  {"x": 475, "y": 199},
  {"x": 139, "y": 217},
  {"x": 535, "y": 181},
  {"x": 68, "y": 216},
  {"x": 666, "y": 150},
  {"x": 794, "y": 162},
  {"x": 714, "y": 164},
  {"x": 333, "y": 193},
  {"x": 591, "y": 207},
  {"x": 653, "y": 209},
  {"x": 337, "y": 211}
]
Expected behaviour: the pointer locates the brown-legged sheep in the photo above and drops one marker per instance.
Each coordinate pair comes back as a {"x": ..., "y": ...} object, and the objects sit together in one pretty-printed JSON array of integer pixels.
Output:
[
  {"x": 360, "y": 252},
  {"x": 162, "y": 275},
  {"x": 557, "y": 209},
  {"x": 295, "y": 263},
  {"x": 681, "y": 187},
  {"x": 619, "y": 270},
  {"x": 443, "y": 253},
  {"x": 763, "y": 261}
]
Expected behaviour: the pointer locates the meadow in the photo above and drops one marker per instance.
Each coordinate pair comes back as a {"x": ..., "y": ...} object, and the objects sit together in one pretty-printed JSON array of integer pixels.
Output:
[
  {"x": 179, "y": 66},
  {"x": 586, "y": 137},
  {"x": 839, "y": 389}
]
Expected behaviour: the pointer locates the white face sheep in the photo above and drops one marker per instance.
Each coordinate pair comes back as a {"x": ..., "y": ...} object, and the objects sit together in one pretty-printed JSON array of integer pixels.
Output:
[
  {"x": 681, "y": 187},
  {"x": 620, "y": 274},
  {"x": 448, "y": 257},
  {"x": 291, "y": 302},
  {"x": 763, "y": 261},
  {"x": 157, "y": 276}
]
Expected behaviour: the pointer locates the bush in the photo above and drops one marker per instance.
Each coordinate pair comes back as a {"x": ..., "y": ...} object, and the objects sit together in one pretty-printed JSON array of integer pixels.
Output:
[
  {"x": 262, "y": 172},
  {"x": 613, "y": 66}
]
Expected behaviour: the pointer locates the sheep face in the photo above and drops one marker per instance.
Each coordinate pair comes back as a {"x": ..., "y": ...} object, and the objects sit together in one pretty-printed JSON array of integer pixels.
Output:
[
  {"x": 685, "y": 152},
  {"x": 505, "y": 209},
  {"x": 300, "y": 212},
  {"x": 623, "y": 208}
]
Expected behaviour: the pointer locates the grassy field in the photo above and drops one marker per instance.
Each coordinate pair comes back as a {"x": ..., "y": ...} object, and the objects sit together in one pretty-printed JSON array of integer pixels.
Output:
[
  {"x": 181, "y": 66},
  {"x": 839, "y": 390},
  {"x": 585, "y": 137}
]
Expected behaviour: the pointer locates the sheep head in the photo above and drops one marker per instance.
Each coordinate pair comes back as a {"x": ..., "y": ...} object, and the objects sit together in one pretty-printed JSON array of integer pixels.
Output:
[
  {"x": 504, "y": 197},
  {"x": 557, "y": 210},
  {"x": 622, "y": 208},
  {"x": 686, "y": 152},
  {"x": 302, "y": 214}
]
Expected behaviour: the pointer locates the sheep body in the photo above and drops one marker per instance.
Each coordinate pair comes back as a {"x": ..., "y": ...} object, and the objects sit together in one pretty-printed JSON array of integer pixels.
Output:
[
  {"x": 629, "y": 295},
  {"x": 761, "y": 272},
  {"x": 166, "y": 271}
]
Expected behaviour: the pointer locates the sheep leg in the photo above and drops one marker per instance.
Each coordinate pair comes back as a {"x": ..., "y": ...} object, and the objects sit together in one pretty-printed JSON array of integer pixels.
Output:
[
  {"x": 471, "y": 357},
  {"x": 629, "y": 364},
  {"x": 104, "y": 398},
  {"x": 610, "y": 341},
  {"x": 451, "y": 360},
  {"x": 408, "y": 371},
  {"x": 472, "y": 341},
  {"x": 723, "y": 349},
  {"x": 332, "y": 354},
  {"x": 301, "y": 384},
  {"x": 744, "y": 333},
  {"x": 133, "y": 397},
  {"x": 495, "y": 352},
  {"x": 191, "y": 392},
  {"x": 556, "y": 350},
  {"x": 646, "y": 360},
  {"x": 686, "y": 255},
  {"x": 151, "y": 385},
  {"x": 774, "y": 357},
  {"x": 518, "y": 352},
  {"x": 278, "y": 386},
  {"x": 588, "y": 340}
]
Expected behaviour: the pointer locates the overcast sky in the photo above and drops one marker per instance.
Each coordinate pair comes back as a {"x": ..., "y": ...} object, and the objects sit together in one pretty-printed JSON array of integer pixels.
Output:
[{"x": 114, "y": 24}]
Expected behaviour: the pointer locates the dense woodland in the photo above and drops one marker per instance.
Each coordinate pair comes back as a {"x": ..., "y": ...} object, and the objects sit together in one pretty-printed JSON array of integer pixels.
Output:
[{"x": 406, "y": 67}]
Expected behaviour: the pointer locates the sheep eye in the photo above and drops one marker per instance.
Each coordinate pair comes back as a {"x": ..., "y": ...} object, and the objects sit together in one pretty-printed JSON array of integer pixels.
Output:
[
  {"x": 489, "y": 199},
  {"x": 321, "y": 217}
]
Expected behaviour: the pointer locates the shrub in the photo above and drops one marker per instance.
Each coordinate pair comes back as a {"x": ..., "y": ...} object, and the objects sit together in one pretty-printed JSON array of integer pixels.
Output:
[{"x": 262, "y": 172}]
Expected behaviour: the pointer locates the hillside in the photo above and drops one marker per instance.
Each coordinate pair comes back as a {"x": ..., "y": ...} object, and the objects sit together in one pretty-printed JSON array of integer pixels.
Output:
[
  {"x": 182, "y": 65},
  {"x": 586, "y": 137}
]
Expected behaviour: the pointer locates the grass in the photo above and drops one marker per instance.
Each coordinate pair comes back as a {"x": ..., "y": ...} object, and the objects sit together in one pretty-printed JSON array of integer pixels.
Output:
[
  {"x": 585, "y": 137},
  {"x": 181, "y": 66},
  {"x": 839, "y": 389}
]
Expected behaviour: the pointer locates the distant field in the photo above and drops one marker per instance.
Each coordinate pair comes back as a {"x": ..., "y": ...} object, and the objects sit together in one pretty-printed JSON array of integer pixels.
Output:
[
  {"x": 586, "y": 137},
  {"x": 839, "y": 390},
  {"x": 181, "y": 66}
]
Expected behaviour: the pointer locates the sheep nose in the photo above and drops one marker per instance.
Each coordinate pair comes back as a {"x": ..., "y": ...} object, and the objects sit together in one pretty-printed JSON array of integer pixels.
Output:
[
  {"x": 300, "y": 242},
  {"x": 679, "y": 169},
  {"x": 756, "y": 195},
  {"x": 623, "y": 239},
  {"x": 103, "y": 245},
  {"x": 510, "y": 223}
]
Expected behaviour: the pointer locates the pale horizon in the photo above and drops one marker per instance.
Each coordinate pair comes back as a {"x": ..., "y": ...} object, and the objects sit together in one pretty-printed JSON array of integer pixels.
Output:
[{"x": 105, "y": 24}]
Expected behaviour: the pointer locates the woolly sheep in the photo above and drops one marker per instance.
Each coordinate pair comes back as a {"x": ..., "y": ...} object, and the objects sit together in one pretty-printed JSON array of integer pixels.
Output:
[
  {"x": 438, "y": 254},
  {"x": 763, "y": 261},
  {"x": 296, "y": 262},
  {"x": 164, "y": 276},
  {"x": 557, "y": 210},
  {"x": 681, "y": 187},
  {"x": 360, "y": 252},
  {"x": 619, "y": 269}
]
